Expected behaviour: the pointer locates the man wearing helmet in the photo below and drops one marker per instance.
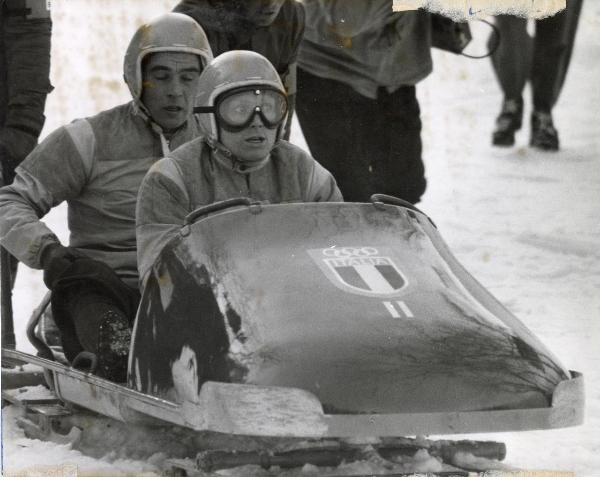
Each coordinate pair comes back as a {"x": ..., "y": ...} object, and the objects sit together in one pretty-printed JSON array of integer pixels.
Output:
[
  {"x": 242, "y": 108},
  {"x": 273, "y": 28},
  {"x": 96, "y": 165}
]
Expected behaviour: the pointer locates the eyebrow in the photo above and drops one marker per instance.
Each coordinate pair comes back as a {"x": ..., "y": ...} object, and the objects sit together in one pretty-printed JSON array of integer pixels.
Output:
[{"x": 166, "y": 68}]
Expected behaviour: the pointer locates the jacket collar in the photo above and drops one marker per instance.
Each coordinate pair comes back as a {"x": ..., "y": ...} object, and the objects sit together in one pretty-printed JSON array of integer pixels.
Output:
[
  {"x": 229, "y": 160},
  {"x": 138, "y": 109}
]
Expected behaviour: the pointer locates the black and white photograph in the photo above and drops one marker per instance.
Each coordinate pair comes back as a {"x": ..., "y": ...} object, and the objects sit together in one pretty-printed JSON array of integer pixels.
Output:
[{"x": 300, "y": 238}]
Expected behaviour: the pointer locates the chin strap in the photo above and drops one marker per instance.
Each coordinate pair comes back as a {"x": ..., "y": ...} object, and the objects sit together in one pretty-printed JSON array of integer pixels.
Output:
[
  {"x": 140, "y": 110},
  {"x": 226, "y": 158},
  {"x": 164, "y": 144}
]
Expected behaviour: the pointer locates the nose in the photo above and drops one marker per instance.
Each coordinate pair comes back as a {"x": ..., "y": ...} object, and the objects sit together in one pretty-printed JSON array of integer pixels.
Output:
[
  {"x": 175, "y": 87},
  {"x": 256, "y": 120}
]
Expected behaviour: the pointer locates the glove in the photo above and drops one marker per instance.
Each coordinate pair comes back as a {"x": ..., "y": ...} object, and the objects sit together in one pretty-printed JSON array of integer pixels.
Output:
[{"x": 55, "y": 260}]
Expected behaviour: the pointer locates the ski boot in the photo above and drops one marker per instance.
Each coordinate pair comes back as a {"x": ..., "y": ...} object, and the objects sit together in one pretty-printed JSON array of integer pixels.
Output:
[
  {"x": 508, "y": 122},
  {"x": 544, "y": 135},
  {"x": 113, "y": 346}
]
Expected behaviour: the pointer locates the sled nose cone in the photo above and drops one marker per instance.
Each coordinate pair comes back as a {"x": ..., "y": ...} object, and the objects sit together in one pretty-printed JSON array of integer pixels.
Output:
[{"x": 419, "y": 370}]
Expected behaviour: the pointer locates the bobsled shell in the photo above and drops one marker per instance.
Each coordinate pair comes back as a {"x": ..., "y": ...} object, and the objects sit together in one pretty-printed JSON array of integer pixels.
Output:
[{"x": 362, "y": 306}]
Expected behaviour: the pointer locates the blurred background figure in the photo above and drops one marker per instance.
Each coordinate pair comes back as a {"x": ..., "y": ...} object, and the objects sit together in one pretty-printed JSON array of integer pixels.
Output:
[
  {"x": 272, "y": 28},
  {"x": 358, "y": 66},
  {"x": 25, "y": 30},
  {"x": 544, "y": 61}
]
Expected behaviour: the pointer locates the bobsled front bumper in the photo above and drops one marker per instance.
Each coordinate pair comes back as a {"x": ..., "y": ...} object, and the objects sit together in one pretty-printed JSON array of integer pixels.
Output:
[{"x": 268, "y": 411}]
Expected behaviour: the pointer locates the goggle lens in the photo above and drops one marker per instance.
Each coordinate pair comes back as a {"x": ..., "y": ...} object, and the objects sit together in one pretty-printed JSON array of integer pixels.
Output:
[{"x": 237, "y": 110}]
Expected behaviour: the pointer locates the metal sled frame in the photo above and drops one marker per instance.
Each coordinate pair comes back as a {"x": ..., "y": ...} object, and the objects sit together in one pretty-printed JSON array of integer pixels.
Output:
[{"x": 250, "y": 410}]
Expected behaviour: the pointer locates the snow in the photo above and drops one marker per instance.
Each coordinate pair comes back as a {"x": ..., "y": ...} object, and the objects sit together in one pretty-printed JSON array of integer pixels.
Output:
[{"x": 525, "y": 223}]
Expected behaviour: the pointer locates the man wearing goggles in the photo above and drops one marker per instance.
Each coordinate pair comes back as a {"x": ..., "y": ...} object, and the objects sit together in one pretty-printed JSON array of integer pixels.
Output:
[
  {"x": 249, "y": 121},
  {"x": 236, "y": 110},
  {"x": 242, "y": 110}
]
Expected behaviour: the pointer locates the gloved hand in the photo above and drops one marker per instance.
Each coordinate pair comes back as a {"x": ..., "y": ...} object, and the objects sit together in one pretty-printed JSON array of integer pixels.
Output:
[{"x": 55, "y": 260}]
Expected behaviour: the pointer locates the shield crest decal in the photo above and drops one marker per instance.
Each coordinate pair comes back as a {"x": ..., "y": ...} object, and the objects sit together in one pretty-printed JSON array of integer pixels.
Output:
[{"x": 366, "y": 271}]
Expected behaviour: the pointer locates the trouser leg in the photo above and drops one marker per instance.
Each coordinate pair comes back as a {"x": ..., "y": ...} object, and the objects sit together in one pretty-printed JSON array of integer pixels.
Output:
[
  {"x": 331, "y": 116},
  {"x": 13, "y": 271},
  {"x": 370, "y": 146},
  {"x": 91, "y": 319},
  {"x": 553, "y": 45},
  {"x": 512, "y": 58},
  {"x": 401, "y": 172}
]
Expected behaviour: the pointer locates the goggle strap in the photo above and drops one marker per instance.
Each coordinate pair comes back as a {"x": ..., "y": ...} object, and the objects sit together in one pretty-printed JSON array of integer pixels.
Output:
[{"x": 204, "y": 109}]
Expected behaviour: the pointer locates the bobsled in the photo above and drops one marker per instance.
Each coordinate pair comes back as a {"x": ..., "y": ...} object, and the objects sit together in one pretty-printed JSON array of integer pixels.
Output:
[{"x": 336, "y": 320}]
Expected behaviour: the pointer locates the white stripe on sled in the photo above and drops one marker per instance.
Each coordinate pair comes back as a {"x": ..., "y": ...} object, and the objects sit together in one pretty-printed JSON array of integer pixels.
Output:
[
  {"x": 375, "y": 280},
  {"x": 404, "y": 307},
  {"x": 391, "y": 309}
]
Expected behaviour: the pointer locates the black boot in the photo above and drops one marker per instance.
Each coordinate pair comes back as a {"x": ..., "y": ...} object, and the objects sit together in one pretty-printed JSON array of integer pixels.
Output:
[
  {"x": 114, "y": 337},
  {"x": 509, "y": 121},
  {"x": 544, "y": 135}
]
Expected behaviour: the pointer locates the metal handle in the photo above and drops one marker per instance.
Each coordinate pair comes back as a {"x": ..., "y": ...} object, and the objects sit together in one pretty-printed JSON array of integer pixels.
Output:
[
  {"x": 43, "y": 349},
  {"x": 224, "y": 204},
  {"x": 391, "y": 200}
]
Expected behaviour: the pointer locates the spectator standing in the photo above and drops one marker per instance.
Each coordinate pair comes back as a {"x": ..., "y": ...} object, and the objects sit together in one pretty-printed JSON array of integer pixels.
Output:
[
  {"x": 357, "y": 70},
  {"x": 544, "y": 61},
  {"x": 272, "y": 28},
  {"x": 25, "y": 31}
]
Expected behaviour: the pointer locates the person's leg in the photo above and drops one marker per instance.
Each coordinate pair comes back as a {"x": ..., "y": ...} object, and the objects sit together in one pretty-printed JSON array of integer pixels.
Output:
[
  {"x": 401, "y": 172},
  {"x": 553, "y": 46},
  {"x": 92, "y": 318},
  {"x": 512, "y": 58},
  {"x": 318, "y": 111},
  {"x": 14, "y": 263},
  {"x": 512, "y": 65},
  {"x": 102, "y": 328},
  {"x": 337, "y": 123}
]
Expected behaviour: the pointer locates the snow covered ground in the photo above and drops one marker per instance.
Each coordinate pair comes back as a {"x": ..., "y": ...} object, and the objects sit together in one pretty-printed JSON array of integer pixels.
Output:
[{"x": 525, "y": 223}]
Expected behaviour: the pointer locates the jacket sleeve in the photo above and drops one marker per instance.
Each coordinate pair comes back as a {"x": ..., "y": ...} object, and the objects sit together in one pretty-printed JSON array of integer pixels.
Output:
[
  {"x": 322, "y": 186},
  {"x": 162, "y": 205},
  {"x": 26, "y": 61},
  {"x": 52, "y": 173},
  {"x": 289, "y": 77}
]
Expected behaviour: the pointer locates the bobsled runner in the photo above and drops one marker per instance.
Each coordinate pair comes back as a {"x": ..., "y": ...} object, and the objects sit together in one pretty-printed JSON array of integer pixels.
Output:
[{"x": 322, "y": 321}]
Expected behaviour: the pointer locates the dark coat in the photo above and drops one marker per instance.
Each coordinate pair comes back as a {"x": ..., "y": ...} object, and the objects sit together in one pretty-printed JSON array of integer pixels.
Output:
[
  {"x": 278, "y": 42},
  {"x": 24, "y": 79}
]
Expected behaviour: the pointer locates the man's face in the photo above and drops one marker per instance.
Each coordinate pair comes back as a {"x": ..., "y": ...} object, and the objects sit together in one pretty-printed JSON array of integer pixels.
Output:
[
  {"x": 169, "y": 86},
  {"x": 252, "y": 144},
  {"x": 262, "y": 12}
]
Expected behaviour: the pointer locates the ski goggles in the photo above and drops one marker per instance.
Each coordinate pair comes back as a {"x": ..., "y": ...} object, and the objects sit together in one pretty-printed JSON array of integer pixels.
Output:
[{"x": 236, "y": 109}]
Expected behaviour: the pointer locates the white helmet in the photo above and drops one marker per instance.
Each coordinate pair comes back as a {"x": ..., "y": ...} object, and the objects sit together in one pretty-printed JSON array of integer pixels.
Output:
[
  {"x": 233, "y": 70},
  {"x": 174, "y": 32}
]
